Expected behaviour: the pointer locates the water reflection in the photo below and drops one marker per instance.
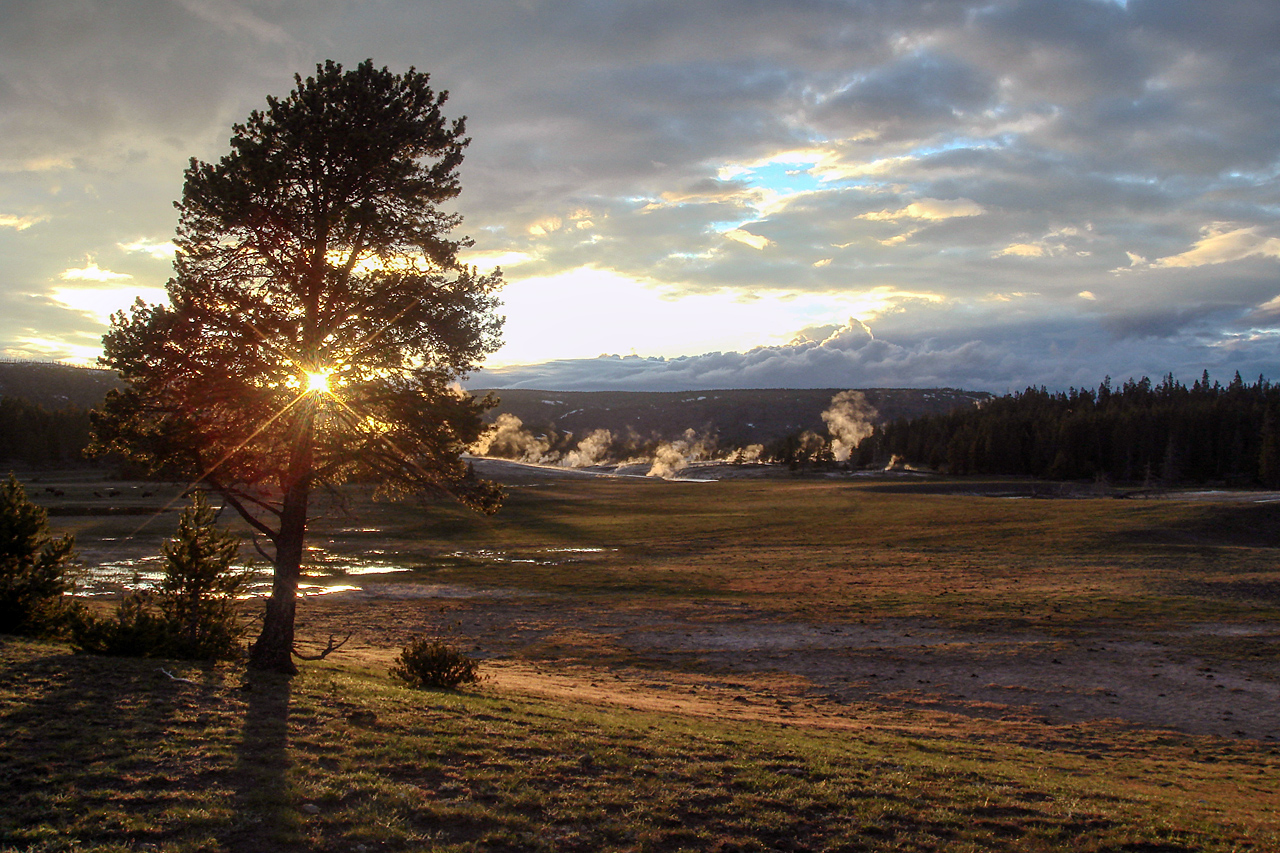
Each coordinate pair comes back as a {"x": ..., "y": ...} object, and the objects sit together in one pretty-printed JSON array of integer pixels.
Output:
[
  {"x": 113, "y": 577},
  {"x": 323, "y": 570}
]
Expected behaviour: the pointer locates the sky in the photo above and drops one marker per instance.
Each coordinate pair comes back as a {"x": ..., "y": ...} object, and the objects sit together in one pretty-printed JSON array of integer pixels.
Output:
[{"x": 701, "y": 194}]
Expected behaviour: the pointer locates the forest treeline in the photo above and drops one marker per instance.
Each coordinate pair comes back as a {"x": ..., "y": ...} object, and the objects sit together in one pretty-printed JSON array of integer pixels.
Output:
[
  {"x": 31, "y": 434},
  {"x": 1140, "y": 431}
]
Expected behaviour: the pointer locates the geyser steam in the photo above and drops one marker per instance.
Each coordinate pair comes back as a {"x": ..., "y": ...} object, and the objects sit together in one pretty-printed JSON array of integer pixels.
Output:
[{"x": 849, "y": 419}]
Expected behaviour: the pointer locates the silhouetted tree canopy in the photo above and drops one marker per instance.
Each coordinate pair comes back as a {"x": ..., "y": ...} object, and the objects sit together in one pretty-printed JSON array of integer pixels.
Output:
[
  {"x": 35, "y": 435},
  {"x": 1141, "y": 431},
  {"x": 318, "y": 318}
]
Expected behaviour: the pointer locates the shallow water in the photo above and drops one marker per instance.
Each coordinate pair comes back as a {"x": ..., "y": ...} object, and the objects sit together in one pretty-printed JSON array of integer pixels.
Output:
[{"x": 114, "y": 570}]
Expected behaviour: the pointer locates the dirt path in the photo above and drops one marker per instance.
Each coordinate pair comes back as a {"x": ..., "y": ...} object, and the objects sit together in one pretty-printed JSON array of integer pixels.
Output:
[{"x": 713, "y": 658}]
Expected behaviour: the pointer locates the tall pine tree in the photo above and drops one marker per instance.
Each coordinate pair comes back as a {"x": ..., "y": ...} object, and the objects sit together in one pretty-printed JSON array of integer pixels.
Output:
[{"x": 318, "y": 319}]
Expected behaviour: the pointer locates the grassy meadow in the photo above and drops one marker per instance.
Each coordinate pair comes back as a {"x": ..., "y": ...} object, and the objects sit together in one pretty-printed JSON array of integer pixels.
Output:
[{"x": 653, "y": 681}]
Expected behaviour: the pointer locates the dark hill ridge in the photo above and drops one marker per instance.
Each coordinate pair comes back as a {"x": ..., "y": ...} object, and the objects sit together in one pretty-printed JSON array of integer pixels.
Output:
[
  {"x": 56, "y": 386},
  {"x": 736, "y": 417}
]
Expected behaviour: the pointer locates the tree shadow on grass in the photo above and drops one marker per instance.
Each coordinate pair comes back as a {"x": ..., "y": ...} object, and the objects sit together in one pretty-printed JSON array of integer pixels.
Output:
[
  {"x": 265, "y": 816},
  {"x": 103, "y": 751}
]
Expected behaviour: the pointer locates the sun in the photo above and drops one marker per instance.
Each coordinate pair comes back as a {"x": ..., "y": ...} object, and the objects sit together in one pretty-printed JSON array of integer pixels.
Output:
[{"x": 318, "y": 381}]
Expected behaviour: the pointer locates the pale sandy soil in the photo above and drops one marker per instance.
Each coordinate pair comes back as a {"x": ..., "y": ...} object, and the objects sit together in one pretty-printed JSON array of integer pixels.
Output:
[{"x": 720, "y": 659}]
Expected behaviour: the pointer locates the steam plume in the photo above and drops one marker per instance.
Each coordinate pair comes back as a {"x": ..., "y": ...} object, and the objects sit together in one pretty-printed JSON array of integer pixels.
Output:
[
  {"x": 592, "y": 450},
  {"x": 508, "y": 438},
  {"x": 849, "y": 420},
  {"x": 672, "y": 457}
]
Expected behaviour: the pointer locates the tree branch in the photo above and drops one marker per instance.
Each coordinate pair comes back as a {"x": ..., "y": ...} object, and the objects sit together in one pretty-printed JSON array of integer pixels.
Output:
[
  {"x": 328, "y": 649},
  {"x": 258, "y": 547},
  {"x": 251, "y": 519}
]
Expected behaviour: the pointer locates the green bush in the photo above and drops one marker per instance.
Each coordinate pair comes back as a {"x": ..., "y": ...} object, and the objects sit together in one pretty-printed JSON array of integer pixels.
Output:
[
  {"x": 431, "y": 662},
  {"x": 135, "y": 630},
  {"x": 35, "y": 568},
  {"x": 192, "y": 614}
]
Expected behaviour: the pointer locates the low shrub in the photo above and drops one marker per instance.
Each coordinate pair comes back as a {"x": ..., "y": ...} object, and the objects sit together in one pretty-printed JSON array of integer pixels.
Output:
[
  {"x": 431, "y": 662},
  {"x": 135, "y": 630},
  {"x": 35, "y": 568},
  {"x": 192, "y": 614}
]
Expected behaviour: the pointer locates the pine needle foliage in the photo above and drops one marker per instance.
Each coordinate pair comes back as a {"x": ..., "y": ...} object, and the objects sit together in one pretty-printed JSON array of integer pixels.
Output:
[
  {"x": 192, "y": 614},
  {"x": 35, "y": 567},
  {"x": 430, "y": 662},
  {"x": 318, "y": 320}
]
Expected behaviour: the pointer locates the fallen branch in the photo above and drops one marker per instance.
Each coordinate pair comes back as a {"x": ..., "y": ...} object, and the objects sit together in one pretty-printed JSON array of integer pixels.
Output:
[
  {"x": 328, "y": 650},
  {"x": 175, "y": 677}
]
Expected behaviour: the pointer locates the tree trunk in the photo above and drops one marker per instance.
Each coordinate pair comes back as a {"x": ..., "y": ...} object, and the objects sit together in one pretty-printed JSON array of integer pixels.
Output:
[{"x": 273, "y": 650}]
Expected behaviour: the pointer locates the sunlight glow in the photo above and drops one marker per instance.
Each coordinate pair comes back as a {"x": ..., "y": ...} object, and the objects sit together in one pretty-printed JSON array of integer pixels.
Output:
[
  {"x": 102, "y": 301},
  {"x": 318, "y": 381},
  {"x": 561, "y": 316}
]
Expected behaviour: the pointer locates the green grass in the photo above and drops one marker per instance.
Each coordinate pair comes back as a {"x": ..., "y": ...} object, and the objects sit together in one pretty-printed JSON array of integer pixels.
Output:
[
  {"x": 110, "y": 754},
  {"x": 106, "y": 754},
  {"x": 846, "y": 549}
]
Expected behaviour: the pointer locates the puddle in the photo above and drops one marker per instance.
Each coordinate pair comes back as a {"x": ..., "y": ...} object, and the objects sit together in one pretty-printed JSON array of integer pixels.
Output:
[
  {"x": 320, "y": 562},
  {"x": 102, "y": 577},
  {"x": 537, "y": 557}
]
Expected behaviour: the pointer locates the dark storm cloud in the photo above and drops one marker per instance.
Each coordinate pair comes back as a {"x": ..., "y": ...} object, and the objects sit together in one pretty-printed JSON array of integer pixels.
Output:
[
  {"x": 1001, "y": 358},
  {"x": 917, "y": 93}
]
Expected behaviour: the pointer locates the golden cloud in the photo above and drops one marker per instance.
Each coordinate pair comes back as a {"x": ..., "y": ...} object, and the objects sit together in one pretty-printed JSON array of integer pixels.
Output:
[
  {"x": 1222, "y": 244},
  {"x": 929, "y": 209},
  {"x": 91, "y": 272}
]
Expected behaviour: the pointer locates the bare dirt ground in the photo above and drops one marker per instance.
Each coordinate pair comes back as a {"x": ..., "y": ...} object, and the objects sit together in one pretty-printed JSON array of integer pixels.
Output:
[{"x": 713, "y": 658}]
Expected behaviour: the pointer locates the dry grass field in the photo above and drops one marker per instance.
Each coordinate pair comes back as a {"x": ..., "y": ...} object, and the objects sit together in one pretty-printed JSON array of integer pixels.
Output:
[{"x": 753, "y": 664}]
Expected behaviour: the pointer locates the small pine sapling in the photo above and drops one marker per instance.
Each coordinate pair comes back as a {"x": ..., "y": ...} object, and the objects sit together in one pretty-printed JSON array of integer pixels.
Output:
[
  {"x": 197, "y": 596},
  {"x": 35, "y": 568},
  {"x": 191, "y": 615}
]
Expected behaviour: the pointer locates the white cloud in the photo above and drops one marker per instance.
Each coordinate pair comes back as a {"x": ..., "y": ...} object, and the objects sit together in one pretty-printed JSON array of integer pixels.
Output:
[
  {"x": 158, "y": 249},
  {"x": 91, "y": 272},
  {"x": 1022, "y": 250},
  {"x": 49, "y": 349},
  {"x": 1222, "y": 244},
  {"x": 929, "y": 209},
  {"x": 20, "y": 223},
  {"x": 746, "y": 238},
  {"x": 489, "y": 260},
  {"x": 101, "y": 302}
]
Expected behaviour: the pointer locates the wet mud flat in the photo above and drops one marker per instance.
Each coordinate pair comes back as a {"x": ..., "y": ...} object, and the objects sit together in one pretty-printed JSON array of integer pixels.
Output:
[{"x": 1150, "y": 680}]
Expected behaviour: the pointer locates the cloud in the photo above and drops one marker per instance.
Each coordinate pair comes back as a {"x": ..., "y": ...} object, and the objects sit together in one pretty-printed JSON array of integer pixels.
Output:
[
  {"x": 929, "y": 209},
  {"x": 20, "y": 223},
  {"x": 91, "y": 272},
  {"x": 1266, "y": 315},
  {"x": 231, "y": 16},
  {"x": 998, "y": 358},
  {"x": 909, "y": 164},
  {"x": 755, "y": 241},
  {"x": 1022, "y": 250},
  {"x": 1223, "y": 244},
  {"x": 100, "y": 303},
  {"x": 158, "y": 249},
  {"x": 848, "y": 356}
]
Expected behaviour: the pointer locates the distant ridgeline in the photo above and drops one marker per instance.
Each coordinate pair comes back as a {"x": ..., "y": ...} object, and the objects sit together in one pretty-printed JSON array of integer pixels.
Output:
[
  {"x": 44, "y": 411},
  {"x": 1137, "y": 432}
]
